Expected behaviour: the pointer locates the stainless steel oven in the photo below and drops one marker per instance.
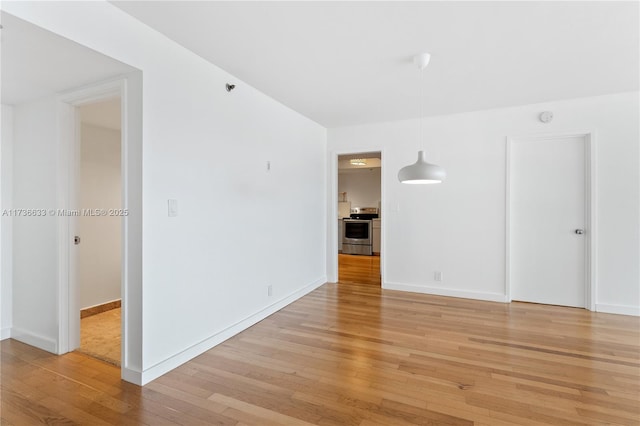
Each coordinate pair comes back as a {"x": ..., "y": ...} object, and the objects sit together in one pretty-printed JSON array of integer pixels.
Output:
[
  {"x": 357, "y": 231},
  {"x": 356, "y": 236}
]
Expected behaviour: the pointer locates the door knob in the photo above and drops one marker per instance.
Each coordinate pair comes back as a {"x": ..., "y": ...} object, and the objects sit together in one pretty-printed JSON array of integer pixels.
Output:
[
  {"x": 76, "y": 240},
  {"x": 579, "y": 231}
]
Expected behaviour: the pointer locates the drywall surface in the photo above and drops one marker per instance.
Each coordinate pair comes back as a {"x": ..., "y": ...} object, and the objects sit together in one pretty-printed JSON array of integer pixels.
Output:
[
  {"x": 35, "y": 238},
  {"x": 361, "y": 185},
  {"x": 6, "y": 226},
  {"x": 99, "y": 253},
  {"x": 239, "y": 165},
  {"x": 458, "y": 227}
]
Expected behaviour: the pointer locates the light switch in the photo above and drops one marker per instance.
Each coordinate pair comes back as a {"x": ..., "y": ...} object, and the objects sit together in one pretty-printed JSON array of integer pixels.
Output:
[{"x": 173, "y": 208}]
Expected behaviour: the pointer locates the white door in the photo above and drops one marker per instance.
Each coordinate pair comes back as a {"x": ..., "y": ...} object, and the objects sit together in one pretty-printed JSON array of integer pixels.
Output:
[{"x": 547, "y": 220}]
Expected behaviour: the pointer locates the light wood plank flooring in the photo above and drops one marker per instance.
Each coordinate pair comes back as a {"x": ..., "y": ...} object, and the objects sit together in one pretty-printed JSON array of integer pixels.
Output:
[
  {"x": 359, "y": 269},
  {"x": 352, "y": 354}
]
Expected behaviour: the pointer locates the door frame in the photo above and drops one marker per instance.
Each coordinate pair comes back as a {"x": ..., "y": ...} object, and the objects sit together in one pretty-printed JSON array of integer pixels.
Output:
[
  {"x": 590, "y": 255},
  {"x": 129, "y": 89},
  {"x": 333, "y": 231}
]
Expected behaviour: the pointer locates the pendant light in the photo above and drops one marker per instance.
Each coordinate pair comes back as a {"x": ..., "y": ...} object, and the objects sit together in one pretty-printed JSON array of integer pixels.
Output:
[{"x": 421, "y": 172}]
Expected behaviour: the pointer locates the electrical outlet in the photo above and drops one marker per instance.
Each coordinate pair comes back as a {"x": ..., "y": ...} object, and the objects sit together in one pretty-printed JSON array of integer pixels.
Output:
[
  {"x": 437, "y": 275},
  {"x": 270, "y": 290}
]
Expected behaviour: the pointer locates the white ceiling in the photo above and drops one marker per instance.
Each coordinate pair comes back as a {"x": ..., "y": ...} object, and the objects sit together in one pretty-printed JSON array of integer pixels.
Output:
[
  {"x": 342, "y": 63},
  {"x": 375, "y": 154},
  {"x": 37, "y": 63},
  {"x": 373, "y": 160}
]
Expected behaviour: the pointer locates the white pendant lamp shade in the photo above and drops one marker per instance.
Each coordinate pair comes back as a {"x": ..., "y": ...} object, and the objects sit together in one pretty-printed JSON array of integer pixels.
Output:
[{"x": 421, "y": 172}]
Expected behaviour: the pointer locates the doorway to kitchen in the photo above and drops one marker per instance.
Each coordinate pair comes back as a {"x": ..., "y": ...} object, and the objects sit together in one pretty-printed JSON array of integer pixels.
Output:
[{"x": 359, "y": 217}]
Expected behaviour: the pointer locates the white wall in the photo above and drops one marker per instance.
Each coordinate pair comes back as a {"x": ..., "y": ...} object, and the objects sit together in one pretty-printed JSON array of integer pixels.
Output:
[
  {"x": 6, "y": 227},
  {"x": 35, "y": 239},
  {"x": 458, "y": 227},
  {"x": 99, "y": 255},
  {"x": 206, "y": 271},
  {"x": 361, "y": 185}
]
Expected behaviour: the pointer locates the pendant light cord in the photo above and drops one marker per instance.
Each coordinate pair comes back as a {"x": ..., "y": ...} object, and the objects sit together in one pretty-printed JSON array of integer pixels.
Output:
[{"x": 421, "y": 109}]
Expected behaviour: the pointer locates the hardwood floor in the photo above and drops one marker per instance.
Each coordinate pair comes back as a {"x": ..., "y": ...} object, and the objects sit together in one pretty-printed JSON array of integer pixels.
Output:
[
  {"x": 359, "y": 269},
  {"x": 353, "y": 354}
]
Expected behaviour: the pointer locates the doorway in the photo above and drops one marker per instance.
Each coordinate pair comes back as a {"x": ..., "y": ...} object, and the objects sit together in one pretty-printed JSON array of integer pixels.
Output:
[
  {"x": 99, "y": 224},
  {"x": 359, "y": 244},
  {"x": 549, "y": 220}
]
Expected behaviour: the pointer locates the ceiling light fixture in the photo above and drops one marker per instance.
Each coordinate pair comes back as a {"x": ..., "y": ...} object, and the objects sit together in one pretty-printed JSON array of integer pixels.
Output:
[
  {"x": 421, "y": 172},
  {"x": 358, "y": 162}
]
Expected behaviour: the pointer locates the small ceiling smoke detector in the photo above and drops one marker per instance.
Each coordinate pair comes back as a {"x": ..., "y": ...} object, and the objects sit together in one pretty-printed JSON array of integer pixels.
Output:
[{"x": 546, "y": 116}]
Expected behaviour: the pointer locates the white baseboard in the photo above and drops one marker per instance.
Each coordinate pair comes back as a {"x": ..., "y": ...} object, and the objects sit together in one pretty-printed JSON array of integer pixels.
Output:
[
  {"x": 5, "y": 333},
  {"x": 464, "y": 294},
  {"x": 131, "y": 376},
  {"x": 100, "y": 304},
  {"x": 34, "y": 339},
  {"x": 180, "y": 358},
  {"x": 618, "y": 309}
]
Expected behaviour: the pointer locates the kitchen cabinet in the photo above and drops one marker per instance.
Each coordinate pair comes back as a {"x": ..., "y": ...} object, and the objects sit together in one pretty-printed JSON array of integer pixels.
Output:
[
  {"x": 377, "y": 235},
  {"x": 344, "y": 208}
]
